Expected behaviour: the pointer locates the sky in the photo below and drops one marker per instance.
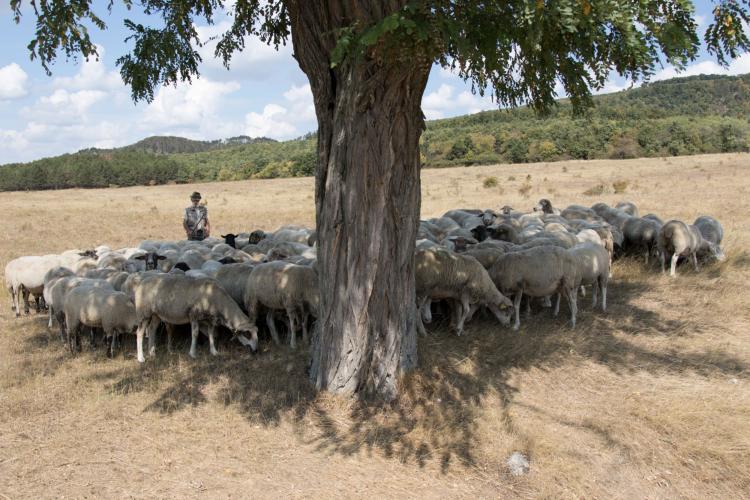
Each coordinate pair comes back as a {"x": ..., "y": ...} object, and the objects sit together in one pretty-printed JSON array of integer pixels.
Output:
[{"x": 85, "y": 104}]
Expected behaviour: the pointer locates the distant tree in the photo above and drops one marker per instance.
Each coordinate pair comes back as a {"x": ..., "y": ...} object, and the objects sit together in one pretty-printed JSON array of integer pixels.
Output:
[{"x": 368, "y": 63}]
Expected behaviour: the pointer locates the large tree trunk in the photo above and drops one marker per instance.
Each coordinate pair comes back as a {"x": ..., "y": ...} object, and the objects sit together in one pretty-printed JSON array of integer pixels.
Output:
[{"x": 367, "y": 198}]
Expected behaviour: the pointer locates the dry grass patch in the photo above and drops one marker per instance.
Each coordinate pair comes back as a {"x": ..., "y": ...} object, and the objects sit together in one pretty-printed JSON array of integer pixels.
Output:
[{"x": 650, "y": 400}]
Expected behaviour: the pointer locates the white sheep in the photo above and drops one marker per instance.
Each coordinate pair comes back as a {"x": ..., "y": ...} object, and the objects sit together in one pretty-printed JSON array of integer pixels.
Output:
[
  {"x": 111, "y": 311},
  {"x": 442, "y": 274},
  {"x": 537, "y": 272},
  {"x": 283, "y": 286},
  {"x": 592, "y": 264},
  {"x": 176, "y": 300},
  {"x": 679, "y": 239}
]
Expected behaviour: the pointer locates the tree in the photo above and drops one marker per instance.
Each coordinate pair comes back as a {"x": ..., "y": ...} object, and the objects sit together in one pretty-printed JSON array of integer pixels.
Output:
[{"x": 368, "y": 63}]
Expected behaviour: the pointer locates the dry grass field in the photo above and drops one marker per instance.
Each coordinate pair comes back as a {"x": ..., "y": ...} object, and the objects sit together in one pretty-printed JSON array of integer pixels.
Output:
[{"x": 650, "y": 400}]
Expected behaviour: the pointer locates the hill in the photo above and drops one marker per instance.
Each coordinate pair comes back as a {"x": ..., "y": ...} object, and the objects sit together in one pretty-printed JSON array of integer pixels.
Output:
[{"x": 681, "y": 116}]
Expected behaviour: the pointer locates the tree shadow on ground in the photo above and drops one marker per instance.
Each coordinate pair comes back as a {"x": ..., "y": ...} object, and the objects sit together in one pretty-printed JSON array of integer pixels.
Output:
[{"x": 436, "y": 418}]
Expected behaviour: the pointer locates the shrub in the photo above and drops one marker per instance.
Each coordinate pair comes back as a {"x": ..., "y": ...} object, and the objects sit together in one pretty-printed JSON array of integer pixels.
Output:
[
  {"x": 596, "y": 190},
  {"x": 620, "y": 186},
  {"x": 490, "y": 182},
  {"x": 525, "y": 190}
]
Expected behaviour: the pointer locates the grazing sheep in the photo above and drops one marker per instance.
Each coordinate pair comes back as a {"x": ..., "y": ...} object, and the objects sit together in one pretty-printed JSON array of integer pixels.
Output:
[
  {"x": 505, "y": 232},
  {"x": 176, "y": 300},
  {"x": 292, "y": 234},
  {"x": 536, "y": 272},
  {"x": 710, "y": 229},
  {"x": 592, "y": 264},
  {"x": 628, "y": 207},
  {"x": 441, "y": 274},
  {"x": 286, "y": 287},
  {"x": 678, "y": 239},
  {"x": 580, "y": 212},
  {"x": 641, "y": 235},
  {"x": 111, "y": 311},
  {"x": 233, "y": 277},
  {"x": 57, "y": 289},
  {"x": 654, "y": 218}
]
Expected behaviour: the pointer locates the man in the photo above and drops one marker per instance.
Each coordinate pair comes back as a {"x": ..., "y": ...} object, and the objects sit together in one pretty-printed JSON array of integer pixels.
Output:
[{"x": 195, "y": 222}]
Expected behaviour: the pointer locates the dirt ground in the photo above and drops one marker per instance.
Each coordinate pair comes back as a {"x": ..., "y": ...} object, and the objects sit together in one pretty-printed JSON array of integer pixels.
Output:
[{"x": 650, "y": 400}]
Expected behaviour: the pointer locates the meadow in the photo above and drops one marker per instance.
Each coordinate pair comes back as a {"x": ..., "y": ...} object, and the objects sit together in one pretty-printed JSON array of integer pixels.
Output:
[{"x": 649, "y": 400}]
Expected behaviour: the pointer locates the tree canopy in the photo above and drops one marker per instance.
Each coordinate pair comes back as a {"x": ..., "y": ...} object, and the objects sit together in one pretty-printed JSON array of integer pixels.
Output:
[{"x": 516, "y": 50}]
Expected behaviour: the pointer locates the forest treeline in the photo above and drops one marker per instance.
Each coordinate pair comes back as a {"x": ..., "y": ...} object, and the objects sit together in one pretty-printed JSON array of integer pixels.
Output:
[{"x": 681, "y": 116}]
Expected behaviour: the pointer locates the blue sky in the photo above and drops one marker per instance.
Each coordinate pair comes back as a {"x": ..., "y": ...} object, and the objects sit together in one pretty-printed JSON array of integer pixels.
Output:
[{"x": 85, "y": 104}]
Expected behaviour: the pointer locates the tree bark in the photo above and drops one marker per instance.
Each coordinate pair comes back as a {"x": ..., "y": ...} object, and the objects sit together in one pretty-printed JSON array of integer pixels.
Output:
[{"x": 367, "y": 198}]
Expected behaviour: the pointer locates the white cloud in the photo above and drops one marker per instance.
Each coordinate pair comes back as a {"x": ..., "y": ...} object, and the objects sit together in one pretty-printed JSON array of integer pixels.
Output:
[
  {"x": 63, "y": 107},
  {"x": 193, "y": 105},
  {"x": 12, "y": 82},
  {"x": 92, "y": 75},
  {"x": 442, "y": 103},
  {"x": 284, "y": 122},
  {"x": 738, "y": 66},
  {"x": 252, "y": 63}
]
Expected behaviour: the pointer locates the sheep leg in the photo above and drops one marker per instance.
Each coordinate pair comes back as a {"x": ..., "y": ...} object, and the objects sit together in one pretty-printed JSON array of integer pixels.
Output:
[
  {"x": 112, "y": 345},
  {"x": 272, "y": 327},
  {"x": 153, "y": 327},
  {"x": 674, "y": 263},
  {"x": 26, "y": 305},
  {"x": 695, "y": 260},
  {"x": 70, "y": 334},
  {"x": 603, "y": 286},
  {"x": 49, "y": 323},
  {"x": 170, "y": 329},
  {"x": 573, "y": 304},
  {"x": 195, "y": 331},
  {"x": 420, "y": 325},
  {"x": 139, "y": 338},
  {"x": 582, "y": 289},
  {"x": 211, "y": 332},
  {"x": 63, "y": 330},
  {"x": 424, "y": 307},
  {"x": 594, "y": 292},
  {"x": 36, "y": 301},
  {"x": 464, "y": 311},
  {"x": 292, "y": 330},
  {"x": 546, "y": 302},
  {"x": 12, "y": 293},
  {"x": 92, "y": 338},
  {"x": 557, "y": 306},
  {"x": 16, "y": 298},
  {"x": 662, "y": 256},
  {"x": 528, "y": 306},
  {"x": 304, "y": 327},
  {"x": 517, "y": 310},
  {"x": 646, "y": 253}
]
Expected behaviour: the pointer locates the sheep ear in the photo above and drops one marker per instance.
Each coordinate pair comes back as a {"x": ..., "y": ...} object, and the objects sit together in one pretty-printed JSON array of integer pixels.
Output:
[
  {"x": 223, "y": 235},
  {"x": 160, "y": 257},
  {"x": 140, "y": 257}
]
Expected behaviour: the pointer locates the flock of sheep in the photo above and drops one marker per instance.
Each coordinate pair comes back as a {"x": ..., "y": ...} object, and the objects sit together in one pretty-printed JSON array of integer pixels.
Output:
[{"x": 466, "y": 260}]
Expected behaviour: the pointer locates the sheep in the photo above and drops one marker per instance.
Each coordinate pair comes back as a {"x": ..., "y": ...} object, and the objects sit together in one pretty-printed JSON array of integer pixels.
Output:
[
  {"x": 111, "y": 311},
  {"x": 292, "y": 234},
  {"x": 505, "y": 232},
  {"x": 256, "y": 236},
  {"x": 545, "y": 206},
  {"x": 233, "y": 277},
  {"x": 56, "y": 291},
  {"x": 654, "y": 218},
  {"x": 25, "y": 275},
  {"x": 579, "y": 212},
  {"x": 641, "y": 235},
  {"x": 176, "y": 300},
  {"x": 710, "y": 229},
  {"x": 283, "y": 286},
  {"x": 592, "y": 264},
  {"x": 151, "y": 260},
  {"x": 485, "y": 256},
  {"x": 230, "y": 239},
  {"x": 193, "y": 258},
  {"x": 442, "y": 274},
  {"x": 628, "y": 207},
  {"x": 112, "y": 260},
  {"x": 536, "y": 272},
  {"x": 678, "y": 239},
  {"x": 465, "y": 219}
]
